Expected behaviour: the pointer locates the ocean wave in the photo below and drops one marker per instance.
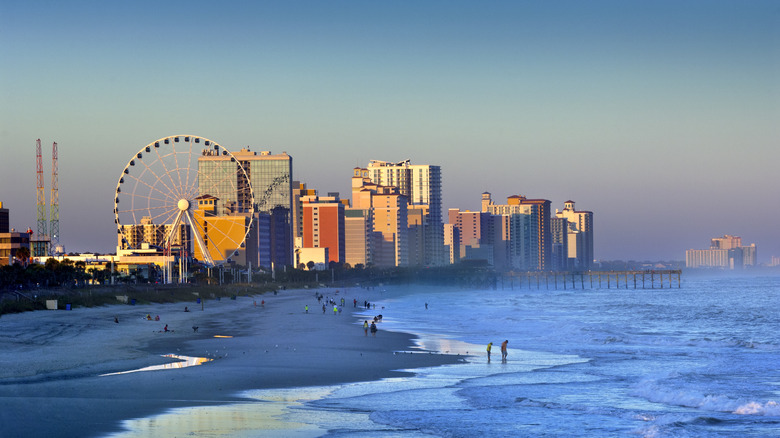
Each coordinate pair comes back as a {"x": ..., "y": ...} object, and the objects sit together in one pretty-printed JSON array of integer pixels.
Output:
[{"x": 652, "y": 391}]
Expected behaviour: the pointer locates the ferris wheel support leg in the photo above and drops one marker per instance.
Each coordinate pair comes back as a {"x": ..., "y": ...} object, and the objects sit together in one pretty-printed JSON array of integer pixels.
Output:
[
  {"x": 168, "y": 242},
  {"x": 199, "y": 239}
]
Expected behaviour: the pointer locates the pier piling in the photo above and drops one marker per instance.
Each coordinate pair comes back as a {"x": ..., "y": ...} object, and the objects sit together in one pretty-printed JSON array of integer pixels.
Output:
[{"x": 635, "y": 283}]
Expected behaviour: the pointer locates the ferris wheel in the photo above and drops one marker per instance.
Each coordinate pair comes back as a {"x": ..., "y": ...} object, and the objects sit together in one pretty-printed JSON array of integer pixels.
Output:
[{"x": 185, "y": 192}]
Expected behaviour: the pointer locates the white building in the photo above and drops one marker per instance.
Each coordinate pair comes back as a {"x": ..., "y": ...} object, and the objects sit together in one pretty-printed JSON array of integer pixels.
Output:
[{"x": 580, "y": 241}]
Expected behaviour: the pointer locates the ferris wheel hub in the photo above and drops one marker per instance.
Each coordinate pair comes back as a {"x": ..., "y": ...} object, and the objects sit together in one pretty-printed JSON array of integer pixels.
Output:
[{"x": 184, "y": 204}]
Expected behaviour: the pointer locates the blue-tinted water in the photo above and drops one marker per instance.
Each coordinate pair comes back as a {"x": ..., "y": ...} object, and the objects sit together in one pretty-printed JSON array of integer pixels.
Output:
[{"x": 701, "y": 360}]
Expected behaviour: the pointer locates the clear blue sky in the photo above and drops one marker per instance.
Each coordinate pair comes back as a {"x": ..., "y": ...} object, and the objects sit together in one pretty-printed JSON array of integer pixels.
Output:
[{"x": 661, "y": 117}]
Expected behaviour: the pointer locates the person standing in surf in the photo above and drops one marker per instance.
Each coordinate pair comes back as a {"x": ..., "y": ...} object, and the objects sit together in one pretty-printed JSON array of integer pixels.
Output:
[
  {"x": 503, "y": 350},
  {"x": 489, "y": 347}
]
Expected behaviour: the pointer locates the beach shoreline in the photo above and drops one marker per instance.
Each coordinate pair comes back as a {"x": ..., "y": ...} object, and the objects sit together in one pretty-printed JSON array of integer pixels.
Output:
[{"x": 52, "y": 362}]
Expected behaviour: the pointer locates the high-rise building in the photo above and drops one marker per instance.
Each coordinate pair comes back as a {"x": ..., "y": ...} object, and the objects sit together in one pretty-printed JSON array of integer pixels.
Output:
[
  {"x": 4, "y": 219},
  {"x": 11, "y": 240},
  {"x": 390, "y": 218},
  {"x": 476, "y": 234},
  {"x": 270, "y": 176},
  {"x": 726, "y": 242},
  {"x": 559, "y": 233},
  {"x": 299, "y": 190},
  {"x": 323, "y": 225},
  {"x": 133, "y": 236},
  {"x": 359, "y": 236},
  {"x": 270, "y": 238},
  {"x": 580, "y": 236},
  {"x": 421, "y": 185},
  {"x": 452, "y": 242},
  {"x": 416, "y": 233},
  {"x": 531, "y": 231}
]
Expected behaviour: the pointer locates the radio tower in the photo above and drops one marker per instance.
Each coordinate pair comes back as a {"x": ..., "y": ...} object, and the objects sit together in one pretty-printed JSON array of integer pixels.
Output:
[
  {"x": 54, "y": 199},
  {"x": 42, "y": 228}
]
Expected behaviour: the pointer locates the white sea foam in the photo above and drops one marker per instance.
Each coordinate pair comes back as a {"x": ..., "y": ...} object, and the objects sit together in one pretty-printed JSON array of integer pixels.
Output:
[
  {"x": 769, "y": 408},
  {"x": 657, "y": 393}
]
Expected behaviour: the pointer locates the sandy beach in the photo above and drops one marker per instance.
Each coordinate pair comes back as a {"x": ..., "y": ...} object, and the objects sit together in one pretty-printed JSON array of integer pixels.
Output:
[{"x": 53, "y": 363}]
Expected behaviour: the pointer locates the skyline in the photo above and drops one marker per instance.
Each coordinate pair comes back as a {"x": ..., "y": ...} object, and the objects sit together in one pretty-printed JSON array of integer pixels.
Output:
[{"x": 660, "y": 117}]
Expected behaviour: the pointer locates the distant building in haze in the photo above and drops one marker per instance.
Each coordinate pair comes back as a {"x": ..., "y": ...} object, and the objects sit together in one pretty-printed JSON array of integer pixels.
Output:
[{"x": 725, "y": 252}]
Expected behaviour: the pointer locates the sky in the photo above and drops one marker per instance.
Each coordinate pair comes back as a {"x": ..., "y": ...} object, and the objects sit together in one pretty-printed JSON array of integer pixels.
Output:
[{"x": 660, "y": 117}]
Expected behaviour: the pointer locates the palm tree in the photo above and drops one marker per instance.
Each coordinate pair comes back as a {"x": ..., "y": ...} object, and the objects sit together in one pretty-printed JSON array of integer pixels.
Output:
[{"x": 23, "y": 254}]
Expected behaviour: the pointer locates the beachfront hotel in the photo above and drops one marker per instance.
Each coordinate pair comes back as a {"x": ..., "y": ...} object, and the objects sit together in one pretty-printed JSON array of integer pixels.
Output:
[
  {"x": 536, "y": 253},
  {"x": 390, "y": 220},
  {"x": 421, "y": 185},
  {"x": 473, "y": 231},
  {"x": 359, "y": 236},
  {"x": 579, "y": 237},
  {"x": 323, "y": 225}
]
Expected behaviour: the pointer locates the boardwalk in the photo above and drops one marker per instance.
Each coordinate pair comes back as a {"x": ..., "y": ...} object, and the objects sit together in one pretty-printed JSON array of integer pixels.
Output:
[{"x": 654, "y": 279}]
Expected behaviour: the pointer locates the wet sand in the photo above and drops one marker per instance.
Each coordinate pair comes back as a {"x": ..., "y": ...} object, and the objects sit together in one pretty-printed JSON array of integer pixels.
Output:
[{"x": 52, "y": 362}]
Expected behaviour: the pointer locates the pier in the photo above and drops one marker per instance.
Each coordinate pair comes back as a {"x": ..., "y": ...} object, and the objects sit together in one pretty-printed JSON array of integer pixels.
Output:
[{"x": 650, "y": 279}]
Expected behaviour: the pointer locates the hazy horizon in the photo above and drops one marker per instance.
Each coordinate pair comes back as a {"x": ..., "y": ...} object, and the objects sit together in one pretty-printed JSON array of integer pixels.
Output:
[{"x": 659, "y": 117}]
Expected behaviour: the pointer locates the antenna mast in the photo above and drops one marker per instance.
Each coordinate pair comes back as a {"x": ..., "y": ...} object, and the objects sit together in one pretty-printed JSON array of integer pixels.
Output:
[
  {"x": 42, "y": 225},
  {"x": 54, "y": 207}
]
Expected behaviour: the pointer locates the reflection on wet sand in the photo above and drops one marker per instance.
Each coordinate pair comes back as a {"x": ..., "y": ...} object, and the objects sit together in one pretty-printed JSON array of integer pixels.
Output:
[
  {"x": 184, "y": 362},
  {"x": 274, "y": 413}
]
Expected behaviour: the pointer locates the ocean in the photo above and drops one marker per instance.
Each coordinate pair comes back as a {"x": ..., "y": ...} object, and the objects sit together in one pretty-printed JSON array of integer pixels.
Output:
[{"x": 699, "y": 360}]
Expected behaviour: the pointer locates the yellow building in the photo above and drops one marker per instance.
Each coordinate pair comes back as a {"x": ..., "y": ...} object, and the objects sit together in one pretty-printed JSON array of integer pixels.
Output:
[{"x": 220, "y": 235}]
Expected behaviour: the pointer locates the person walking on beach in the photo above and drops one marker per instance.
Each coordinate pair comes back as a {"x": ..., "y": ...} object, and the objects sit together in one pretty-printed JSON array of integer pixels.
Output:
[
  {"x": 335, "y": 310},
  {"x": 365, "y": 327},
  {"x": 489, "y": 347},
  {"x": 323, "y": 309},
  {"x": 307, "y": 308},
  {"x": 373, "y": 329},
  {"x": 503, "y": 350}
]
